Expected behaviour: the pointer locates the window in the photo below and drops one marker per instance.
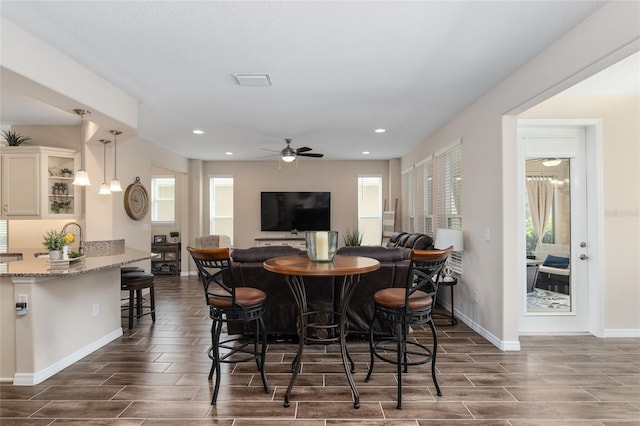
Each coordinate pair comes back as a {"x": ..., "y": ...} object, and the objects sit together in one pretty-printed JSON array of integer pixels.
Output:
[
  {"x": 432, "y": 196},
  {"x": 221, "y": 206},
  {"x": 407, "y": 200},
  {"x": 370, "y": 209},
  {"x": 449, "y": 197},
  {"x": 163, "y": 199},
  {"x": 423, "y": 204},
  {"x": 3, "y": 236}
]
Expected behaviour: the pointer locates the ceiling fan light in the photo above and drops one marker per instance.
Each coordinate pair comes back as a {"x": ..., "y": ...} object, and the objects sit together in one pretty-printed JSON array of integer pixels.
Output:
[{"x": 288, "y": 158}]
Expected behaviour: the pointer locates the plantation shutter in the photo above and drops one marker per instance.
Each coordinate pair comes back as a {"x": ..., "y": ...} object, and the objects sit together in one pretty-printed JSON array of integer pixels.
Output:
[
  {"x": 449, "y": 199},
  {"x": 407, "y": 199}
]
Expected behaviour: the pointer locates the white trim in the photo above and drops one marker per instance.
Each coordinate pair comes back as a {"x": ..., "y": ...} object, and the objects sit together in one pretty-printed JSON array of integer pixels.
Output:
[
  {"x": 30, "y": 379},
  {"x": 426, "y": 160},
  {"x": 448, "y": 147},
  {"x": 624, "y": 332},
  {"x": 500, "y": 344},
  {"x": 408, "y": 170}
]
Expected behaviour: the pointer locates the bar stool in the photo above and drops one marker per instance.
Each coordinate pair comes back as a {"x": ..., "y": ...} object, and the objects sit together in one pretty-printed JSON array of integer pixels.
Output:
[{"x": 134, "y": 282}]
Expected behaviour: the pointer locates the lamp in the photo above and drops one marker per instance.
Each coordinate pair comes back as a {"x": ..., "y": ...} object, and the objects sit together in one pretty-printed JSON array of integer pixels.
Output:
[
  {"x": 115, "y": 183},
  {"x": 81, "y": 177},
  {"x": 551, "y": 162},
  {"x": 104, "y": 188},
  {"x": 446, "y": 238}
]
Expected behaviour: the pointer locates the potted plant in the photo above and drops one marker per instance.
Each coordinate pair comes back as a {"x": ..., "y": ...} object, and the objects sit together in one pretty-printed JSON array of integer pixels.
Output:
[
  {"x": 174, "y": 237},
  {"x": 65, "y": 172},
  {"x": 54, "y": 241},
  {"x": 60, "y": 188},
  {"x": 353, "y": 238},
  {"x": 14, "y": 139}
]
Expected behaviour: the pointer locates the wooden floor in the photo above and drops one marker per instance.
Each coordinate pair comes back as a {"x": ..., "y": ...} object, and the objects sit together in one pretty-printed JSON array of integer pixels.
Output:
[{"x": 156, "y": 374}]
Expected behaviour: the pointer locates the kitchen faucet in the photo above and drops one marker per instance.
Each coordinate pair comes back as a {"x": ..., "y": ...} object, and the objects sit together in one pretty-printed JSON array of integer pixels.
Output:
[{"x": 80, "y": 240}]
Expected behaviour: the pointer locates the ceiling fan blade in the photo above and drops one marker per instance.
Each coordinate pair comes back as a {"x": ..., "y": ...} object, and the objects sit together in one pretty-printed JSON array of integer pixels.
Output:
[
  {"x": 267, "y": 156},
  {"x": 303, "y": 149},
  {"x": 311, "y": 154},
  {"x": 271, "y": 150}
]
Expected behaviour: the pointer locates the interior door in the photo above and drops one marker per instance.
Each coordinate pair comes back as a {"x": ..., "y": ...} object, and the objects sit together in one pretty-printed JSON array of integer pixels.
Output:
[{"x": 549, "y": 304}]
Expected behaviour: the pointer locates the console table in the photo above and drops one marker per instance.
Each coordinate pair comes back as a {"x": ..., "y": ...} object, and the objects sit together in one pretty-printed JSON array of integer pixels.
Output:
[
  {"x": 168, "y": 258},
  {"x": 295, "y": 242}
]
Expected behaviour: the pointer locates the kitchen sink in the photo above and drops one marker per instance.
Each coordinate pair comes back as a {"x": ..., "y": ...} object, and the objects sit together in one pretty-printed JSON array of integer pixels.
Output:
[{"x": 10, "y": 257}]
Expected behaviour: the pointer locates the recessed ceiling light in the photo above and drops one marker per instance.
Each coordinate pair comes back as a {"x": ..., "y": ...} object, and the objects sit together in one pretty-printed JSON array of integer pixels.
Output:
[
  {"x": 380, "y": 130},
  {"x": 228, "y": 153},
  {"x": 366, "y": 152},
  {"x": 198, "y": 132}
]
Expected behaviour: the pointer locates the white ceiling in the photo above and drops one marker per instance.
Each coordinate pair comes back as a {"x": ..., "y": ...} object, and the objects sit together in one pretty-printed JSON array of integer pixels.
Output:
[{"x": 339, "y": 69}]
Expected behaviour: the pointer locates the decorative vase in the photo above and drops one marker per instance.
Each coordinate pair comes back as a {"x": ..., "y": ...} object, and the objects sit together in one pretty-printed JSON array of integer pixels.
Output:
[
  {"x": 321, "y": 245},
  {"x": 55, "y": 255}
]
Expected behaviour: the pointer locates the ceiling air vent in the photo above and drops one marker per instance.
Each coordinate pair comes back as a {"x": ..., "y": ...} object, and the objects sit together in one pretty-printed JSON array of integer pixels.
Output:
[{"x": 254, "y": 80}]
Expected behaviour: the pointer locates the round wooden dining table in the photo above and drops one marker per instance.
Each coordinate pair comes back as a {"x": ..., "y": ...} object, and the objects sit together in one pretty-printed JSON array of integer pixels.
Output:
[{"x": 295, "y": 268}]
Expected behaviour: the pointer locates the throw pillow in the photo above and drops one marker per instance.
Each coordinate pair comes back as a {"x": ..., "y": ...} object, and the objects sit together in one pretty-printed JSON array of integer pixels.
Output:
[{"x": 556, "y": 262}]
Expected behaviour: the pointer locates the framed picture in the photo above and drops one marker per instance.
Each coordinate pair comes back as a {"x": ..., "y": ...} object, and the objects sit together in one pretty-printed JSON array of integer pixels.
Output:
[
  {"x": 170, "y": 255},
  {"x": 159, "y": 239}
]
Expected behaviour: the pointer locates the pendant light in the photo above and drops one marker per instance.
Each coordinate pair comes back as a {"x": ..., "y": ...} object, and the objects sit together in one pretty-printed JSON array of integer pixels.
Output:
[
  {"x": 104, "y": 188},
  {"x": 81, "y": 177},
  {"x": 115, "y": 183}
]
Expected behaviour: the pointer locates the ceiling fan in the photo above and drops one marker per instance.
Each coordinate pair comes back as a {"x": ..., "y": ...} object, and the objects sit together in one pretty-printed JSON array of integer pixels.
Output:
[{"x": 289, "y": 154}]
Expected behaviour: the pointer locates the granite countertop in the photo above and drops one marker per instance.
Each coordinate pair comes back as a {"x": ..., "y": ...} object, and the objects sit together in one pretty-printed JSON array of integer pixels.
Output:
[{"x": 31, "y": 266}]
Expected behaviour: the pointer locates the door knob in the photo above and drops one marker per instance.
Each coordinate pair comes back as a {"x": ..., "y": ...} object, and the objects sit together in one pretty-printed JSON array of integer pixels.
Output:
[
  {"x": 584, "y": 257},
  {"x": 583, "y": 244}
]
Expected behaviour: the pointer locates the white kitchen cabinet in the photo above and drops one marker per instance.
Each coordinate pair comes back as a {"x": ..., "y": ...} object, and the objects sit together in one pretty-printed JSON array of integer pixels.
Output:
[{"x": 34, "y": 185}]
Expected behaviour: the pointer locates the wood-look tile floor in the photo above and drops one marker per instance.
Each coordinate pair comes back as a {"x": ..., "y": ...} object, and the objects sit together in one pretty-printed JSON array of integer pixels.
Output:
[{"x": 156, "y": 374}]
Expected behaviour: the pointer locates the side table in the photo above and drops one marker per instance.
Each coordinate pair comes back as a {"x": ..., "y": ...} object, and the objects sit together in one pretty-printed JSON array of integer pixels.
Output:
[{"x": 448, "y": 282}]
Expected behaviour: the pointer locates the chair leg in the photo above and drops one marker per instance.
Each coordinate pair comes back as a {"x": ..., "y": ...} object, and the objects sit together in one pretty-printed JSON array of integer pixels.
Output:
[
  {"x": 131, "y": 302},
  {"x": 371, "y": 349},
  {"x": 433, "y": 357},
  {"x": 216, "y": 329},
  {"x": 138, "y": 303},
  {"x": 152, "y": 301},
  {"x": 261, "y": 330},
  {"x": 401, "y": 355}
]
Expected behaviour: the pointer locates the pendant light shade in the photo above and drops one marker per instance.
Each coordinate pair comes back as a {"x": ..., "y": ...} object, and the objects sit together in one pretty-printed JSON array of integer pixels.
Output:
[
  {"x": 104, "y": 188},
  {"x": 81, "y": 176},
  {"x": 115, "y": 183}
]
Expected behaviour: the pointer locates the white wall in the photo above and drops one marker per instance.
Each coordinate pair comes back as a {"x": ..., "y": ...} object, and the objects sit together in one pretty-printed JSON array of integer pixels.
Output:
[
  {"x": 250, "y": 178},
  {"x": 489, "y": 158}
]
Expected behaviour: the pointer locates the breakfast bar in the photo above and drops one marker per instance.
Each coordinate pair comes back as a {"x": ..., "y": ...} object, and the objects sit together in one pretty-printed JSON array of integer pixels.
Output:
[{"x": 54, "y": 316}]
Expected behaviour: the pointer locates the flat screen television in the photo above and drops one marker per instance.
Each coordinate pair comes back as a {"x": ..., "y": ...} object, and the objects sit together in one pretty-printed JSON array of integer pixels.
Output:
[{"x": 303, "y": 211}]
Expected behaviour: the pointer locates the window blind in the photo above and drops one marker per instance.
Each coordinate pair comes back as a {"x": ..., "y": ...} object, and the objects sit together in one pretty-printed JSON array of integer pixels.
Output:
[
  {"x": 449, "y": 197},
  {"x": 407, "y": 182}
]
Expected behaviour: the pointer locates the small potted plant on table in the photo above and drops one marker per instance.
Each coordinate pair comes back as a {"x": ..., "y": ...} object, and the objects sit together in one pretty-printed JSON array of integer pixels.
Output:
[
  {"x": 174, "y": 237},
  {"x": 54, "y": 241}
]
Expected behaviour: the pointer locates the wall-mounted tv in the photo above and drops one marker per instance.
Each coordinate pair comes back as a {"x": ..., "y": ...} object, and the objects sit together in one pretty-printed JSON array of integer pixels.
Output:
[{"x": 303, "y": 211}]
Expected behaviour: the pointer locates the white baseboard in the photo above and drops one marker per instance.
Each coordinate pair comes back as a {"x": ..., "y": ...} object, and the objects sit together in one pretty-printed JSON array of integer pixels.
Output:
[
  {"x": 624, "y": 332},
  {"x": 30, "y": 379},
  {"x": 500, "y": 344}
]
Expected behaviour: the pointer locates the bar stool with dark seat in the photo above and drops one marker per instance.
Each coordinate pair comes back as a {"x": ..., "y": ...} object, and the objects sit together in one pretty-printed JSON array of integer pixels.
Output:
[
  {"x": 228, "y": 303},
  {"x": 134, "y": 282},
  {"x": 404, "y": 307}
]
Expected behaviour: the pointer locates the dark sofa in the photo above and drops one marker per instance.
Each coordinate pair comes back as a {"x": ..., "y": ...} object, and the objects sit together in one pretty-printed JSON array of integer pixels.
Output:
[{"x": 323, "y": 292}]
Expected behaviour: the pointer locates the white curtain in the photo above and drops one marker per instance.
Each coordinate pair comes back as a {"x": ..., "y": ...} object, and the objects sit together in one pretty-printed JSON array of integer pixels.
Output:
[{"x": 540, "y": 199}]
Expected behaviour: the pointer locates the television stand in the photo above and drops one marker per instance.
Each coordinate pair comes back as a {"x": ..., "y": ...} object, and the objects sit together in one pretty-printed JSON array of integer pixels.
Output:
[{"x": 295, "y": 242}]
